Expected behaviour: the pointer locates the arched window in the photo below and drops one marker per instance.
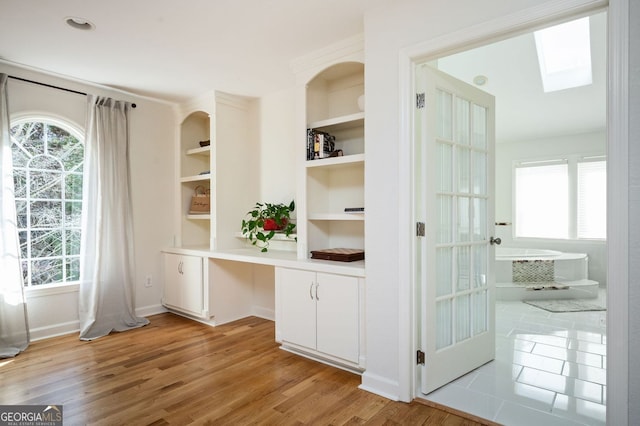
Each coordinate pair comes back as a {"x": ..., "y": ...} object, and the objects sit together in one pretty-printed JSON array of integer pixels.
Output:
[{"x": 47, "y": 170}]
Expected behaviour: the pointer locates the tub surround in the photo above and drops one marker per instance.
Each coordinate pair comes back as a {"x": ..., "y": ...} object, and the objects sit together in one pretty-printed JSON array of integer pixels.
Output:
[{"x": 534, "y": 274}]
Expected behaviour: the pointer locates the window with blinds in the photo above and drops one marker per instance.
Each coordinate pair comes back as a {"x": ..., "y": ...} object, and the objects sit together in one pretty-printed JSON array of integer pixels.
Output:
[
  {"x": 561, "y": 199},
  {"x": 592, "y": 199}
]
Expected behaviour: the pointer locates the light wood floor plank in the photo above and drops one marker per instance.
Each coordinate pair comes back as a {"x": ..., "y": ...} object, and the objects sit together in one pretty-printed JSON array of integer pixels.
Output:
[{"x": 175, "y": 371}]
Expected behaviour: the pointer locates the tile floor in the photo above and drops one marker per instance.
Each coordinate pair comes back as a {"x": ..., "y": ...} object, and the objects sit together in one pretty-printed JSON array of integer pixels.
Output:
[{"x": 549, "y": 369}]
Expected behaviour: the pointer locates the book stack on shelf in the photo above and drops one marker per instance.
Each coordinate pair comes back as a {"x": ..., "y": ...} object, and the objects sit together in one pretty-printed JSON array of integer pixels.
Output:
[{"x": 319, "y": 144}]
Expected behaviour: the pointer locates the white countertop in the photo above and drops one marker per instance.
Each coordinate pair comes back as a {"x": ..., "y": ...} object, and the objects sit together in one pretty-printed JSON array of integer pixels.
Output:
[{"x": 282, "y": 258}]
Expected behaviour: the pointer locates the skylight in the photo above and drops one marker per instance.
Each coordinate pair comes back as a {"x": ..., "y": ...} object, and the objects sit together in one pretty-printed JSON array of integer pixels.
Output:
[{"x": 564, "y": 55}]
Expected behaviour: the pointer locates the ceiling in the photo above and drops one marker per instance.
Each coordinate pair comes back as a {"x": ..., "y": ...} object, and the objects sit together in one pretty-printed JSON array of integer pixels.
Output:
[
  {"x": 178, "y": 50},
  {"x": 523, "y": 111}
]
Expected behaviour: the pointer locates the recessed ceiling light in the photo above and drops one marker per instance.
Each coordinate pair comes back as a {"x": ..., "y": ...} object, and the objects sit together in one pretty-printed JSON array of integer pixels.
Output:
[
  {"x": 79, "y": 23},
  {"x": 480, "y": 80}
]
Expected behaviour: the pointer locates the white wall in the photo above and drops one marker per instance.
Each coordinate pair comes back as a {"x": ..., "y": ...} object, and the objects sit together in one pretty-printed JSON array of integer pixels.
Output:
[
  {"x": 278, "y": 147},
  {"x": 152, "y": 130},
  {"x": 509, "y": 152},
  {"x": 389, "y": 28},
  {"x": 634, "y": 214}
]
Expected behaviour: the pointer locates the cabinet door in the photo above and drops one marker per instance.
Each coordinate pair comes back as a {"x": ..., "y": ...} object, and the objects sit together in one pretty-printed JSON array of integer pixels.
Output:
[
  {"x": 337, "y": 316},
  {"x": 297, "y": 298},
  {"x": 192, "y": 292},
  {"x": 172, "y": 279}
]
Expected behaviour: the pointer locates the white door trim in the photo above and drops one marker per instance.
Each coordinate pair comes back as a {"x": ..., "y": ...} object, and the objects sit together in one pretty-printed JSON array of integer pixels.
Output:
[{"x": 618, "y": 179}]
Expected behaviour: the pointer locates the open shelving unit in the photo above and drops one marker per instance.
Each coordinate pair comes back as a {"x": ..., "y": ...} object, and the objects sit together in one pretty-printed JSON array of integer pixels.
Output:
[
  {"x": 335, "y": 183},
  {"x": 228, "y": 123}
]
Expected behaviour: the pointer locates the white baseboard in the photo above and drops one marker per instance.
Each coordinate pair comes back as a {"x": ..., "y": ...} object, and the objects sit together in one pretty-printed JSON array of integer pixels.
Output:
[
  {"x": 265, "y": 313},
  {"x": 61, "y": 329},
  {"x": 380, "y": 386},
  {"x": 146, "y": 311},
  {"x": 55, "y": 330}
]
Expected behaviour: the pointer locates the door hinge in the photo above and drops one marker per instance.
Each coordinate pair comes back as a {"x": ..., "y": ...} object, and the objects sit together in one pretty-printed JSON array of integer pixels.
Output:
[
  {"x": 420, "y": 357},
  {"x": 420, "y": 229},
  {"x": 420, "y": 100}
]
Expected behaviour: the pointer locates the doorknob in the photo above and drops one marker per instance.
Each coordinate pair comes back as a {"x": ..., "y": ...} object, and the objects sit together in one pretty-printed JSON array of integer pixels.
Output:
[{"x": 493, "y": 241}]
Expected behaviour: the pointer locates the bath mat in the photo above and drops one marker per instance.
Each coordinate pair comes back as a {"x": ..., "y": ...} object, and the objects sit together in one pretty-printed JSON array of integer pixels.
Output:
[{"x": 568, "y": 305}]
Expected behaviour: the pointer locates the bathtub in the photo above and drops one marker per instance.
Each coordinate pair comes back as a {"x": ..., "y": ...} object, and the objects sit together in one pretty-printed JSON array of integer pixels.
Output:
[{"x": 527, "y": 274}]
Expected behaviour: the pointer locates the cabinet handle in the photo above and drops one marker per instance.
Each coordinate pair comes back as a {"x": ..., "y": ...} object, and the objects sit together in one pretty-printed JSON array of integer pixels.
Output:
[
  {"x": 317, "y": 285},
  {"x": 311, "y": 291},
  {"x": 180, "y": 268}
]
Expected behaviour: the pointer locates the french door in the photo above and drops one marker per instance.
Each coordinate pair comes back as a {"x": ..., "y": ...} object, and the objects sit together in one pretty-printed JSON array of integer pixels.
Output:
[{"x": 454, "y": 199}]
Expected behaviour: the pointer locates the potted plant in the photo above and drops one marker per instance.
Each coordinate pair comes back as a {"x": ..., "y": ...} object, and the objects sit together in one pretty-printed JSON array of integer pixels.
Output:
[{"x": 265, "y": 220}]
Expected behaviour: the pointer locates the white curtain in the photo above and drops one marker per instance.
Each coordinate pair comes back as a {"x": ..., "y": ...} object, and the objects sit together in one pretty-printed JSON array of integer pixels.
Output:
[
  {"x": 14, "y": 329},
  {"x": 106, "y": 254}
]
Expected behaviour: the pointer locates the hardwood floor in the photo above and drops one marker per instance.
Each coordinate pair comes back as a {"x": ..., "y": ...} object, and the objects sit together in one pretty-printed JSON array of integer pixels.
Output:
[{"x": 176, "y": 371}]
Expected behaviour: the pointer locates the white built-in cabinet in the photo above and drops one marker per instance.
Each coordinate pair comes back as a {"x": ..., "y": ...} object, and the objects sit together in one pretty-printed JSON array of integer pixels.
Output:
[
  {"x": 320, "y": 315},
  {"x": 184, "y": 290},
  {"x": 319, "y": 304},
  {"x": 334, "y": 102},
  {"x": 227, "y": 168}
]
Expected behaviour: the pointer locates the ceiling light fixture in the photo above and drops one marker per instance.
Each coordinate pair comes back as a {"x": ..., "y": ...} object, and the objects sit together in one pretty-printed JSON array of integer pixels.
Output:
[
  {"x": 480, "y": 80},
  {"x": 79, "y": 23}
]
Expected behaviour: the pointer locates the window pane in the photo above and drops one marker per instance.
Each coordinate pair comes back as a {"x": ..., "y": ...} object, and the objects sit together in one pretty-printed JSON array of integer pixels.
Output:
[
  {"x": 444, "y": 325},
  {"x": 73, "y": 186},
  {"x": 480, "y": 312},
  {"x": 444, "y": 125},
  {"x": 479, "y": 266},
  {"x": 464, "y": 169},
  {"x": 444, "y": 259},
  {"x": 48, "y": 182},
  {"x": 73, "y": 214},
  {"x": 21, "y": 213},
  {"x": 464, "y": 230},
  {"x": 45, "y": 162},
  {"x": 46, "y": 243},
  {"x": 444, "y": 218},
  {"x": 462, "y": 121},
  {"x": 46, "y": 271},
  {"x": 463, "y": 317},
  {"x": 24, "y": 244},
  {"x": 592, "y": 199},
  {"x": 20, "y": 183},
  {"x": 542, "y": 201},
  {"x": 464, "y": 264},
  {"x": 73, "y": 269},
  {"x": 20, "y": 157},
  {"x": 73, "y": 242},
  {"x": 444, "y": 167},
  {"x": 45, "y": 184},
  {"x": 46, "y": 214},
  {"x": 479, "y": 126},
  {"x": 479, "y": 219},
  {"x": 480, "y": 173}
]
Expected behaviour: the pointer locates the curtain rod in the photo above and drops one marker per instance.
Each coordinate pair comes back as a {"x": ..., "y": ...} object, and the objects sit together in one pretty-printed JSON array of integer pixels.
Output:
[{"x": 54, "y": 87}]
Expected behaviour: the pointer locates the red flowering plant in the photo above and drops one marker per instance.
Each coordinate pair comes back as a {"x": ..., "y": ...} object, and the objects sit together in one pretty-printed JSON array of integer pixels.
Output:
[{"x": 265, "y": 220}]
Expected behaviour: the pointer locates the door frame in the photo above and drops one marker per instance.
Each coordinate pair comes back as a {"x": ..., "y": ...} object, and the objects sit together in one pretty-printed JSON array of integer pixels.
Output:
[{"x": 617, "y": 178}]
